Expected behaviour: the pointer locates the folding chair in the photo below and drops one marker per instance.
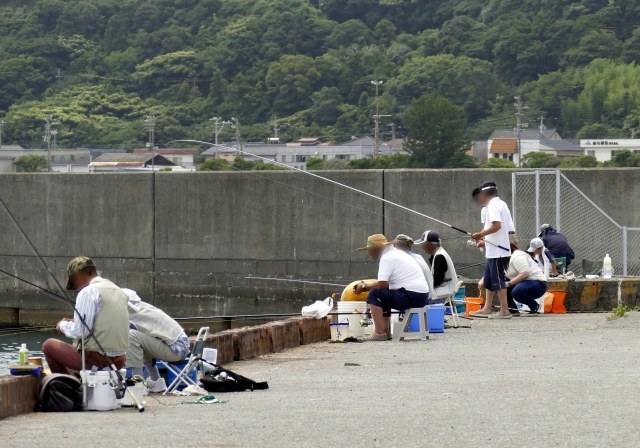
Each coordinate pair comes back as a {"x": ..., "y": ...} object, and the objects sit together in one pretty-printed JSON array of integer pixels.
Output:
[
  {"x": 182, "y": 376},
  {"x": 451, "y": 302}
]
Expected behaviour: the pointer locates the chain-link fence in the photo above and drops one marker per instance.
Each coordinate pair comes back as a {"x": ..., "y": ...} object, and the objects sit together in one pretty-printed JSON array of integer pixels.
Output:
[{"x": 548, "y": 197}]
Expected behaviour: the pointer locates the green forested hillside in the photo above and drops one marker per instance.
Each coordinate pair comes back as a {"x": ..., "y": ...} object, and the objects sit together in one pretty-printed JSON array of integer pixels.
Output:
[{"x": 185, "y": 61}]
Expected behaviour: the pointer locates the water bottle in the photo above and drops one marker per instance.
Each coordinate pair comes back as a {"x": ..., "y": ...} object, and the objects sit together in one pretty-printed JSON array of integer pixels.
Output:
[
  {"x": 24, "y": 355},
  {"x": 606, "y": 267}
]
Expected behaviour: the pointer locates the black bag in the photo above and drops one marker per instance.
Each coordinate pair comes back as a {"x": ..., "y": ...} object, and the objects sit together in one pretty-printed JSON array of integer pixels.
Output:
[
  {"x": 60, "y": 393},
  {"x": 214, "y": 382}
]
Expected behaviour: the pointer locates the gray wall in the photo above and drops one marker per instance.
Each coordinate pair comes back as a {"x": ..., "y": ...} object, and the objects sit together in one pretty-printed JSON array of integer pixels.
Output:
[{"x": 186, "y": 241}]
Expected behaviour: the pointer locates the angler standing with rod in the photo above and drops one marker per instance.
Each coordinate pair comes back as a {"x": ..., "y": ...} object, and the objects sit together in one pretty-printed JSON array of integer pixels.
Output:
[
  {"x": 497, "y": 221},
  {"x": 104, "y": 307}
]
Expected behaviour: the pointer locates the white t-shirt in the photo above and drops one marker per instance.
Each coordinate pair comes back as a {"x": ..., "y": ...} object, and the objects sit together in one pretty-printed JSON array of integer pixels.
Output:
[
  {"x": 401, "y": 270},
  {"x": 425, "y": 270},
  {"x": 497, "y": 210},
  {"x": 522, "y": 262}
]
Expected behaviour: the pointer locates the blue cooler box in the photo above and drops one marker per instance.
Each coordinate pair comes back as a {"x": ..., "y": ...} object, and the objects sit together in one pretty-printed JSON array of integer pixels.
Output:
[
  {"x": 178, "y": 365},
  {"x": 435, "y": 318}
]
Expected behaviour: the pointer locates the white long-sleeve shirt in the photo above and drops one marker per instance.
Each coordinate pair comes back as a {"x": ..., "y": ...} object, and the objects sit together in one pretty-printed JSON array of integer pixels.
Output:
[{"x": 88, "y": 305}]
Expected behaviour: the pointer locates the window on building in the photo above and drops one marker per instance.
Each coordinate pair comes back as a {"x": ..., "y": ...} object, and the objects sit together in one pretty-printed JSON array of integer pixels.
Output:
[
  {"x": 636, "y": 151},
  {"x": 72, "y": 158},
  {"x": 346, "y": 157},
  {"x": 495, "y": 156},
  {"x": 510, "y": 157},
  {"x": 613, "y": 154},
  {"x": 324, "y": 157},
  {"x": 62, "y": 158},
  {"x": 591, "y": 153},
  {"x": 53, "y": 158},
  {"x": 177, "y": 161}
]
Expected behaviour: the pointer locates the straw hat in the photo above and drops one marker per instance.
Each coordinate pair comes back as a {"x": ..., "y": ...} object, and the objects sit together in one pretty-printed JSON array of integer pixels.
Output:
[{"x": 375, "y": 240}]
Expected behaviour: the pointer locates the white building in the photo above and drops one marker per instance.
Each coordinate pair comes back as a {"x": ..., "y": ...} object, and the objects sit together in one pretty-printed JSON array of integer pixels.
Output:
[
  {"x": 297, "y": 154},
  {"x": 74, "y": 160},
  {"x": 503, "y": 143},
  {"x": 605, "y": 149},
  {"x": 129, "y": 162}
]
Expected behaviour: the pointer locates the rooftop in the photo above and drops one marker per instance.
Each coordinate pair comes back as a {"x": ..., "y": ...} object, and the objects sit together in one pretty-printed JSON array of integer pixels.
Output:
[
  {"x": 128, "y": 159},
  {"x": 526, "y": 134},
  {"x": 504, "y": 146},
  {"x": 167, "y": 151}
]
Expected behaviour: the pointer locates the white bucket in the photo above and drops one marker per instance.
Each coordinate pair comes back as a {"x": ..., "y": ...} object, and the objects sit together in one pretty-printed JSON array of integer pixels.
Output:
[
  {"x": 339, "y": 331},
  {"x": 210, "y": 355},
  {"x": 345, "y": 312},
  {"x": 100, "y": 395}
]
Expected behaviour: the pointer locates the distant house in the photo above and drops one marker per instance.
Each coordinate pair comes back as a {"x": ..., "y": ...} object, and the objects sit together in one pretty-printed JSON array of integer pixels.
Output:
[
  {"x": 604, "y": 149},
  {"x": 181, "y": 157},
  {"x": 128, "y": 162},
  {"x": 63, "y": 160},
  {"x": 504, "y": 143}
]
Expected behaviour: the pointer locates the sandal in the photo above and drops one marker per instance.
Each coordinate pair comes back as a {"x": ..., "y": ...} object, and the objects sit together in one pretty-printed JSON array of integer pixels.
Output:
[{"x": 377, "y": 337}]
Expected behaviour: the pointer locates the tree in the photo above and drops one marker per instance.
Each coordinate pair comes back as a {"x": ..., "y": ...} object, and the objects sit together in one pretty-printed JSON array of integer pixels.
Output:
[
  {"x": 498, "y": 162},
  {"x": 540, "y": 160},
  {"x": 461, "y": 160},
  {"x": 315, "y": 163},
  {"x": 436, "y": 131},
  {"x": 580, "y": 162},
  {"x": 381, "y": 163},
  {"x": 215, "y": 165},
  {"x": 625, "y": 158},
  {"x": 31, "y": 163},
  {"x": 335, "y": 164}
]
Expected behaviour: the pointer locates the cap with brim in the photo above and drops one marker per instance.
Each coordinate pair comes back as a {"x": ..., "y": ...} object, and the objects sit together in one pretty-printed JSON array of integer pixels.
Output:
[
  {"x": 429, "y": 236},
  {"x": 403, "y": 239},
  {"x": 535, "y": 244},
  {"x": 544, "y": 228},
  {"x": 76, "y": 265},
  {"x": 375, "y": 240}
]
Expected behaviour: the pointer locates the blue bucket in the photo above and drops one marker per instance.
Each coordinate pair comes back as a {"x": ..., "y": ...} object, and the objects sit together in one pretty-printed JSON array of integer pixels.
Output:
[{"x": 435, "y": 317}]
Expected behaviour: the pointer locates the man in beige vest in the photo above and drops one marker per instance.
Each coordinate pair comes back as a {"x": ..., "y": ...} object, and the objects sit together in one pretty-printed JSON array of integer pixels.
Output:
[{"x": 103, "y": 306}]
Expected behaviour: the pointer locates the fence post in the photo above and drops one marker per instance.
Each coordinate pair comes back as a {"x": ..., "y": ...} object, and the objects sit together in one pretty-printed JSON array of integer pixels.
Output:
[
  {"x": 557, "y": 226},
  {"x": 514, "y": 177},
  {"x": 624, "y": 250},
  {"x": 537, "y": 200}
]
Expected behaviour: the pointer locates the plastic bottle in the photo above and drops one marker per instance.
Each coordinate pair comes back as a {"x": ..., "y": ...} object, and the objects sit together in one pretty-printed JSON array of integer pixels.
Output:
[
  {"x": 606, "y": 267},
  {"x": 24, "y": 355}
]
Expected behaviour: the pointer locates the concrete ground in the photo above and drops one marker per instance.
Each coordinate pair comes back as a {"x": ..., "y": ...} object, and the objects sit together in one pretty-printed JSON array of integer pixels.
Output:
[{"x": 567, "y": 380}]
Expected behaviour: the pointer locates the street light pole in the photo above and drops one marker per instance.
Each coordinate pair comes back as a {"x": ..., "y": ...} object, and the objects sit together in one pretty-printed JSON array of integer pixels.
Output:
[
  {"x": 376, "y": 153},
  {"x": 2, "y": 123},
  {"x": 48, "y": 132}
]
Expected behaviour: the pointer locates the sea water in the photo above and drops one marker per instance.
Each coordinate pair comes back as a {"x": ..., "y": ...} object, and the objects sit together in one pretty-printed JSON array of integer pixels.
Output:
[{"x": 11, "y": 340}]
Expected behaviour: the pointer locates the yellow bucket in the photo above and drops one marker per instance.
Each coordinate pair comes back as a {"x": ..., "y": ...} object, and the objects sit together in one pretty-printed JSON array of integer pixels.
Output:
[{"x": 349, "y": 296}]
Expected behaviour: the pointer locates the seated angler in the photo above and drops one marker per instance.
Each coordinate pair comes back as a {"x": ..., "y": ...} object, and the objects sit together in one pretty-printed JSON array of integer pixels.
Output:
[
  {"x": 401, "y": 285},
  {"x": 104, "y": 308},
  {"x": 442, "y": 268},
  {"x": 153, "y": 335}
]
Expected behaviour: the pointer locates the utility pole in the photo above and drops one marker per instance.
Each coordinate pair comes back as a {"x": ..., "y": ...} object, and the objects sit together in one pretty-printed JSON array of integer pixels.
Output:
[
  {"x": 59, "y": 76},
  {"x": 393, "y": 130},
  {"x": 236, "y": 126},
  {"x": 48, "y": 132},
  {"x": 519, "y": 125},
  {"x": 219, "y": 125},
  {"x": 150, "y": 144},
  {"x": 2, "y": 123},
  {"x": 485, "y": 10},
  {"x": 376, "y": 152},
  {"x": 275, "y": 126},
  {"x": 542, "y": 128}
]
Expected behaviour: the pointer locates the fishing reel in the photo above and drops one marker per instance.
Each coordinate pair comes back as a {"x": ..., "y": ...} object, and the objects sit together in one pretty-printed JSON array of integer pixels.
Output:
[{"x": 366, "y": 322}]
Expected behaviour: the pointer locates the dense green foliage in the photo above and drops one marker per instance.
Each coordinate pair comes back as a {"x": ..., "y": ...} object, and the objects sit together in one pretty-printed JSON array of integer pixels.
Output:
[
  {"x": 239, "y": 164},
  {"x": 184, "y": 61},
  {"x": 31, "y": 163}
]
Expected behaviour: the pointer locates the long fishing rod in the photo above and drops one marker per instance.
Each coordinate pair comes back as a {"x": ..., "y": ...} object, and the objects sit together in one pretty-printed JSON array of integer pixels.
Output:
[
  {"x": 121, "y": 383},
  {"x": 317, "y": 176},
  {"x": 295, "y": 281}
]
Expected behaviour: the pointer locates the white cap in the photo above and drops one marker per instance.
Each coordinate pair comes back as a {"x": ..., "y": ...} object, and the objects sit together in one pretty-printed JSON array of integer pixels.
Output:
[
  {"x": 535, "y": 244},
  {"x": 24, "y": 345}
]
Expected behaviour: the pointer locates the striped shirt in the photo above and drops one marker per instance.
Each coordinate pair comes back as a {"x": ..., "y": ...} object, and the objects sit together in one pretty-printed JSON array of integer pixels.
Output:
[{"x": 88, "y": 305}]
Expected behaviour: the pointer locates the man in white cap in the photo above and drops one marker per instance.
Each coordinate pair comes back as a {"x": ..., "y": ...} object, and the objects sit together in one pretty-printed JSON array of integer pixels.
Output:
[
  {"x": 401, "y": 285},
  {"x": 442, "y": 268},
  {"x": 405, "y": 243}
]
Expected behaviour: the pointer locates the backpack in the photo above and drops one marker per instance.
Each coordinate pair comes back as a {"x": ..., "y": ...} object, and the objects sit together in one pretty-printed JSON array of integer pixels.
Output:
[
  {"x": 230, "y": 382},
  {"x": 60, "y": 393}
]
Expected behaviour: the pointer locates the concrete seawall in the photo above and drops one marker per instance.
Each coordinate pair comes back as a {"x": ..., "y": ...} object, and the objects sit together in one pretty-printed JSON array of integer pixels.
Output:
[{"x": 186, "y": 241}]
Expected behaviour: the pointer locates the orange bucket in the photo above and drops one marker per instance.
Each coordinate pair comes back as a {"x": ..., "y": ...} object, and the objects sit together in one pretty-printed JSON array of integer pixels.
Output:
[
  {"x": 473, "y": 304},
  {"x": 558, "y": 302}
]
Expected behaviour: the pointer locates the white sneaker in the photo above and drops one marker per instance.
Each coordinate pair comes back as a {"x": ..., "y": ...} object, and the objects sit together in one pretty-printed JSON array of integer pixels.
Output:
[{"x": 157, "y": 386}]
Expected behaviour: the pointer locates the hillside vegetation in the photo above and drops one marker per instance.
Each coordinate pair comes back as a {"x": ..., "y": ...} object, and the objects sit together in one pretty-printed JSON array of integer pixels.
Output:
[{"x": 185, "y": 61}]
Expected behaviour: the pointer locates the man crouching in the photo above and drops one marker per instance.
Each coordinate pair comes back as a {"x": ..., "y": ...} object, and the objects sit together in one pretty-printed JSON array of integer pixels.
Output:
[{"x": 401, "y": 285}]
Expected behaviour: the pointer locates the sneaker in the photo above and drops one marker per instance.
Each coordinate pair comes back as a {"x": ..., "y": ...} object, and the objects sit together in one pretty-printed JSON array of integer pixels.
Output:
[
  {"x": 377, "y": 337},
  {"x": 157, "y": 386}
]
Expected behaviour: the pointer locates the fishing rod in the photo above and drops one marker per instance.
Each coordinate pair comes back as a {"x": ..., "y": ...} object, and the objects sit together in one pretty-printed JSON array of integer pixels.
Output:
[
  {"x": 317, "y": 176},
  {"x": 122, "y": 387},
  {"x": 470, "y": 266},
  {"x": 295, "y": 281}
]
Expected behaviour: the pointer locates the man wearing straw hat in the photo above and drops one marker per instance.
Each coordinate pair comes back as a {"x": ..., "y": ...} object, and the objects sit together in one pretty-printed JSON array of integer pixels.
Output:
[{"x": 401, "y": 284}]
